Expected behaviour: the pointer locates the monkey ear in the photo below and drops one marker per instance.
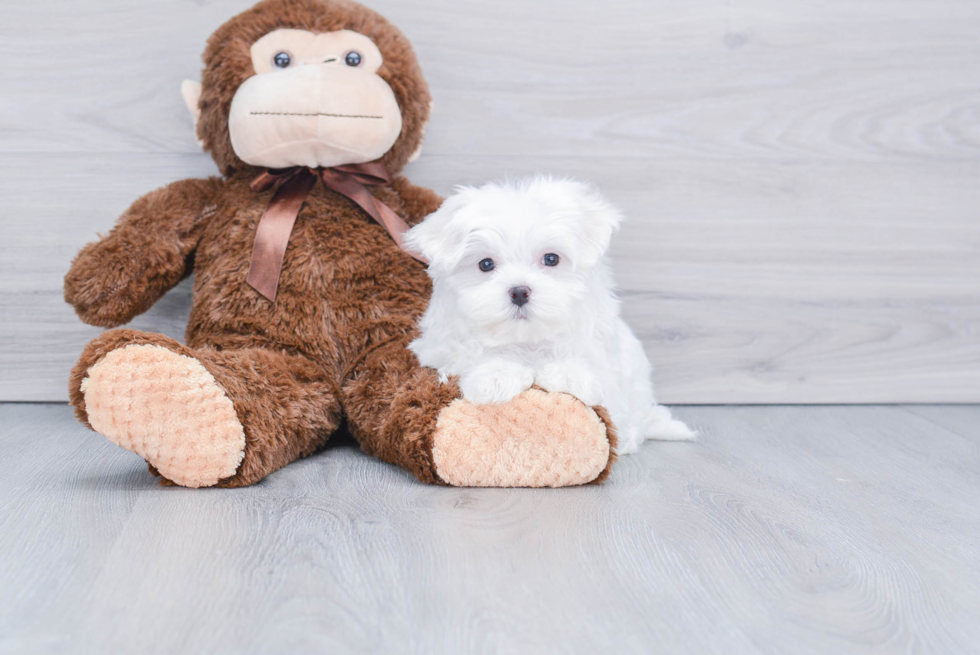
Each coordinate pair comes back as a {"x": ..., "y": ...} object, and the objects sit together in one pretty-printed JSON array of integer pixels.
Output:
[
  {"x": 191, "y": 91},
  {"x": 418, "y": 151}
]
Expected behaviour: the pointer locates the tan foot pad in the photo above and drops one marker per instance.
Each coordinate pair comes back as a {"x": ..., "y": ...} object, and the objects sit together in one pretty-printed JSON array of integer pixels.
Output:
[
  {"x": 168, "y": 409},
  {"x": 539, "y": 439}
]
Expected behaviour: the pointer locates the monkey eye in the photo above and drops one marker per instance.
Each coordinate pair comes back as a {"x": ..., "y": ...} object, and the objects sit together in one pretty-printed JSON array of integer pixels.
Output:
[
  {"x": 281, "y": 60},
  {"x": 487, "y": 265},
  {"x": 551, "y": 259},
  {"x": 353, "y": 58}
]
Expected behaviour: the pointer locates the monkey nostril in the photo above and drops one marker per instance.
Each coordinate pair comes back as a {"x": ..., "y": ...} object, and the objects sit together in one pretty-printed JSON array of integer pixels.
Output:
[{"x": 520, "y": 295}]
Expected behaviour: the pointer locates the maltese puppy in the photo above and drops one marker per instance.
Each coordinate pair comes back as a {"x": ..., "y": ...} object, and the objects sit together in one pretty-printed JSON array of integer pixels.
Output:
[{"x": 522, "y": 294}]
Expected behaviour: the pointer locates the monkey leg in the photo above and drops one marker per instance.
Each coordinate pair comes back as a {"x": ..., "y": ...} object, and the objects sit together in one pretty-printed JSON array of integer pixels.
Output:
[
  {"x": 204, "y": 417},
  {"x": 400, "y": 412}
]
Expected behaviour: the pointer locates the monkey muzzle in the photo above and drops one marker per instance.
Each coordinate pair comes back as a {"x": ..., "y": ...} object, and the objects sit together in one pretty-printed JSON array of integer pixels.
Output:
[{"x": 316, "y": 116}]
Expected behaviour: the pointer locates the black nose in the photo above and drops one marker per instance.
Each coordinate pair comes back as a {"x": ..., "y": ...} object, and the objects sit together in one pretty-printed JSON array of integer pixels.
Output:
[{"x": 520, "y": 295}]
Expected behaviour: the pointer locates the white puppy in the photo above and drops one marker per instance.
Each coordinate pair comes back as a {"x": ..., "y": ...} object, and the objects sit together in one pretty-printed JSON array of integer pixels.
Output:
[{"x": 522, "y": 294}]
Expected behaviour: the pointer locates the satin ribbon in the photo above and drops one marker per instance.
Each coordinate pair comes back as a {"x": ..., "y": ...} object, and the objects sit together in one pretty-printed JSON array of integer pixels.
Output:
[{"x": 293, "y": 185}]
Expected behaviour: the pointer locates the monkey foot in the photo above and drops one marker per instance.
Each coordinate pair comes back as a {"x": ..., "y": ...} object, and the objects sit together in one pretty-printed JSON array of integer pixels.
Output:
[
  {"x": 168, "y": 409},
  {"x": 539, "y": 439}
]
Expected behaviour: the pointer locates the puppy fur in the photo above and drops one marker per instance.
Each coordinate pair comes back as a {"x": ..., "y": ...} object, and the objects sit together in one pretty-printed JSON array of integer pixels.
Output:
[{"x": 528, "y": 317}]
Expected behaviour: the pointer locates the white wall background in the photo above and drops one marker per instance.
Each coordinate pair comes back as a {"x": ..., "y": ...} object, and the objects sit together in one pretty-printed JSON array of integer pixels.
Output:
[{"x": 802, "y": 179}]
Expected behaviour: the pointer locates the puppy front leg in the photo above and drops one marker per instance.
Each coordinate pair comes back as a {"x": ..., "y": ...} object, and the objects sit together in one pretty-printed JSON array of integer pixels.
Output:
[
  {"x": 495, "y": 380},
  {"x": 571, "y": 376}
]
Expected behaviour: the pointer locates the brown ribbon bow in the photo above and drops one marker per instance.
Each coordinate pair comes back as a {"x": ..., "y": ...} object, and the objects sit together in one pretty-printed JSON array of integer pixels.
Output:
[{"x": 293, "y": 185}]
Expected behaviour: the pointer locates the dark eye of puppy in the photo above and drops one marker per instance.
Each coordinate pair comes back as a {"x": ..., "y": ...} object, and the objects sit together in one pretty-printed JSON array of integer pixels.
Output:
[
  {"x": 281, "y": 60},
  {"x": 487, "y": 265},
  {"x": 551, "y": 259},
  {"x": 353, "y": 58}
]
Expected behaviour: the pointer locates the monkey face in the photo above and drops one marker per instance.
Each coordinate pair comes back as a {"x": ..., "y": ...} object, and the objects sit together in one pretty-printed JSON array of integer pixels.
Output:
[
  {"x": 302, "y": 74},
  {"x": 315, "y": 100}
]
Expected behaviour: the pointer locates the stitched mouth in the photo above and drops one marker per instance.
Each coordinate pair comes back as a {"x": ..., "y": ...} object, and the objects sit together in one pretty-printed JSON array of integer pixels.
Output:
[{"x": 288, "y": 113}]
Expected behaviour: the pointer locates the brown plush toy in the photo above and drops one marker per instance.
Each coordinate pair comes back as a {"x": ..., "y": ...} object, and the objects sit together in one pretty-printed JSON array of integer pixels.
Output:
[{"x": 303, "y": 299}]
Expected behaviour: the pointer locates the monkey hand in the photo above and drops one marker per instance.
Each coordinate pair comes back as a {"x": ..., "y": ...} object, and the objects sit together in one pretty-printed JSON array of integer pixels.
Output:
[
  {"x": 118, "y": 277},
  {"x": 144, "y": 256}
]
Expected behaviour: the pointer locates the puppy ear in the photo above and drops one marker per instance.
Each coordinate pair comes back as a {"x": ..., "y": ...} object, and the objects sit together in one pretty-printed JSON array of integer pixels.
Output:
[
  {"x": 598, "y": 221},
  {"x": 440, "y": 238}
]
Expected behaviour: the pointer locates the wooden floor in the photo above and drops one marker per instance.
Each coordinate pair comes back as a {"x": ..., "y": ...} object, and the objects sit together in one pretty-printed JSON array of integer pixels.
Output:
[{"x": 783, "y": 530}]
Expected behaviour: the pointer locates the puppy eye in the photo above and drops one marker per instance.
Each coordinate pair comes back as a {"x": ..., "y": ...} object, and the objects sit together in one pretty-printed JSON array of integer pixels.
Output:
[
  {"x": 551, "y": 259},
  {"x": 353, "y": 58},
  {"x": 281, "y": 60},
  {"x": 487, "y": 265}
]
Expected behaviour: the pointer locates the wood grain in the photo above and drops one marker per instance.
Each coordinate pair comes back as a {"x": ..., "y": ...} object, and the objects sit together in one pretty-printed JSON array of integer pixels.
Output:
[
  {"x": 782, "y": 530},
  {"x": 800, "y": 179},
  {"x": 661, "y": 78}
]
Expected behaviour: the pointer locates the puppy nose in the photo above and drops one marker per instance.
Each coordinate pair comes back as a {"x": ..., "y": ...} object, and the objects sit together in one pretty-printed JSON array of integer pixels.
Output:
[{"x": 520, "y": 295}]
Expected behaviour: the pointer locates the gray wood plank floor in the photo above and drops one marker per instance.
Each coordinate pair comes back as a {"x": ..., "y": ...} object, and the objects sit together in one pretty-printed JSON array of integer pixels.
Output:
[
  {"x": 799, "y": 178},
  {"x": 782, "y": 530}
]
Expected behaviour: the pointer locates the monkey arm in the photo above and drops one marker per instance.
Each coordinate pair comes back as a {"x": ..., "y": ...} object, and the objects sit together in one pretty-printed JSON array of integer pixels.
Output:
[
  {"x": 145, "y": 255},
  {"x": 417, "y": 202}
]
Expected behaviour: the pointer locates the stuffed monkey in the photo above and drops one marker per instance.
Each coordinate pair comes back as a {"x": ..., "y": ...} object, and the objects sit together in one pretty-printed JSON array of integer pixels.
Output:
[{"x": 304, "y": 300}]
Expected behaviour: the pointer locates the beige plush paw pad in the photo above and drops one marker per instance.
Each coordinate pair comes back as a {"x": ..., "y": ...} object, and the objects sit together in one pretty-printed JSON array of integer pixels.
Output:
[
  {"x": 168, "y": 409},
  {"x": 539, "y": 439}
]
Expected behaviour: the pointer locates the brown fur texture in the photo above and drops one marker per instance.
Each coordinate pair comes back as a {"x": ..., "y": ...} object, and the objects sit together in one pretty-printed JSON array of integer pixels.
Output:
[
  {"x": 603, "y": 414},
  {"x": 334, "y": 342}
]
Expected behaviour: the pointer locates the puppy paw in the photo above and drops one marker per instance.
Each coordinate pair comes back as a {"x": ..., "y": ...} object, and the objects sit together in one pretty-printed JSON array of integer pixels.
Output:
[
  {"x": 573, "y": 377},
  {"x": 495, "y": 381},
  {"x": 629, "y": 440}
]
